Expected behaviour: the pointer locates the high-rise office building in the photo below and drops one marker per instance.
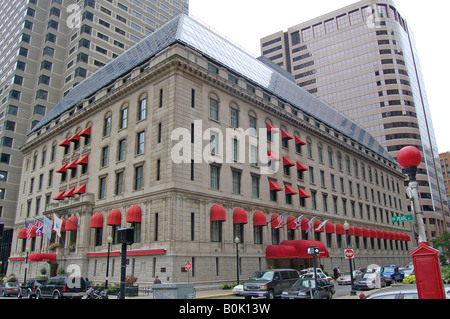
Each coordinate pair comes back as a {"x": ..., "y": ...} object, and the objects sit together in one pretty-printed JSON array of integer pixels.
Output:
[
  {"x": 445, "y": 159},
  {"x": 47, "y": 47},
  {"x": 362, "y": 60}
]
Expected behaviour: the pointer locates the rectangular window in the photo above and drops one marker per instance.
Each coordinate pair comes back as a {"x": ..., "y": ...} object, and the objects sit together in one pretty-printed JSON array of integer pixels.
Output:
[
  {"x": 138, "y": 177},
  {"x": 142, "y": 110},
  {"x": 102, "y": 188},
  {"x": 255, "y": 186},
  {"x": 215, "y": 177},
  {"x": 104, "y": 161},
  {"x": 236, "y": 182},
  {"x": 121, "y": 150},
  {"x": 119, "y": 183},
  {"x": 213, "y": 109},
  {"x": 140, "y": 143},
  {"x": 123, "y": 118}
]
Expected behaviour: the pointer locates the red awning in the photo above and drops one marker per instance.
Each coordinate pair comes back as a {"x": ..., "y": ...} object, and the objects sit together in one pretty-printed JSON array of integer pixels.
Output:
[
  {"x": 270, "y": 127},
  {"x": 287, "y": 162},
  {"x": 72, "y": 165},
  {"x": 317, "y": 224},
  {"x": 301, "y": 246},
  {"x": 80, "y": 190},
  {"x": 407, "y": 237},
  {"x": 272, "y": 156},
  {"x": 70, "y": 193},
  {"x": 84, "y": 160},
  {"x": 72, "y": 223},
  {"x": 275, "y": 187},
  {"x": 62, "y": 169},
  {"x": 373, "y": 233},
  {"x": 134, "y": 214},
  {"x": 298, "y": 140},
  {"x": 274, "y": 220},
  {"x": 86, "y": 132},
  {"x": 358, "y": 231},
  {"x": 259, "y": 219},
  {"x": 340, "y": 229},
  {"x": 280, "y": 252},
  {"x": 289, "y": 190},
  {"x": 285, "y": 134},
  {"x": 290, "y": 222},
  {"x": 301, "y": 167},
  {"x": 366, "y": 232},
  {"x": 240, "y": 216},
  {"x": 65, "y": 143},
  {"x": 41, "y": 257},
  {"x": 60, "y": 196},
  {"x": 380, "y": 234},
  {"x": 218, "y": 213},
  {"x": 329, "y": 228},
  {"x": 305, "y": 225},
  {"x": 74, "y": 138},
  {"x": 303, "y": 194},
  {"x": 96, "y": 221},
  {"x": 22, "y": 233},
  {"x": 114, "y": 218}
]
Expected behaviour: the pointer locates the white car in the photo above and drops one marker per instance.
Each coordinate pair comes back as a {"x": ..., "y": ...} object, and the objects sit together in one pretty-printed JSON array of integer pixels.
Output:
[
  {"x": 345, "y": 279},
  {"x": 319, "y": 276},
  {"x": 310, "y": 271},
  {"x": 238, "y": 290}
]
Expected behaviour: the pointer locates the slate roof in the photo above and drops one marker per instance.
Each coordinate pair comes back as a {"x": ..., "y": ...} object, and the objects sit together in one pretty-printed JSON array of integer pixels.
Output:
[{"x": 187, "y": 31}]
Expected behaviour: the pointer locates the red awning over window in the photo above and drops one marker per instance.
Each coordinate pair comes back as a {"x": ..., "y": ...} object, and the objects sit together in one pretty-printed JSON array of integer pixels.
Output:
[
  {"x": 329, "y": 228},
  {"x": 298, "y": 140},
  {"x": 65, "y": 143},
  {"x": 290, "y": 222},
  {"x": 305, "y": 225},
  {"x": 366, "y": 232},
  {"x": 287, "y": 162},
  {"x": 62, "y": 169},
  {"x": 41, "y": 257},
  {"x": 114, "y": 218},
  {"x": 240, "y": 216},
  {"x": 22, "y": 233},
  {"x": 340, "y": 229},
  {"x": 275, "y": 187},
  {"x": 289, "y": 190},
  {"x": 281, "y": 252},
  {"x": 274, "y": 220},
  {"x": 301, "y": 167},
  {"x": 70, "y": 193},
  {"x": 380, "y": 234},
  {"x": 259, "y": 219},
  {"x": 72, "y": 223},
  {"x": 75, "y": 138},
  {"x": 272, "y": 156},
  {"x": 86, "y": 132},
  {"x": 218, "y": 213},
  {"x": 80, "y": 190},
  {"x": 72, "y": 165},
  {"x": 134, "y": 214},
  {"x": 96, "y": 221},
  {"x": 270, "y": 127},
  {"x": 60, "y": 196},
  {"x": 285, "y": 134},
  {"x": 303, "y": 194},
  {"x": 373, "y": 233},
  {"x": 84, "y": 160},
  {"x": 358, "y": 231}
]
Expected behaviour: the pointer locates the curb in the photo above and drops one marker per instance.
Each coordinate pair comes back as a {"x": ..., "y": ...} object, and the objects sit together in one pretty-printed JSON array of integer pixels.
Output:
[{"x": 216, "y": 296}]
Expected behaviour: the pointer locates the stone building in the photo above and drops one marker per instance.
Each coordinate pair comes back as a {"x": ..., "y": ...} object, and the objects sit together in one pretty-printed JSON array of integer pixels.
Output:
[{"x": 152, "y": 141}]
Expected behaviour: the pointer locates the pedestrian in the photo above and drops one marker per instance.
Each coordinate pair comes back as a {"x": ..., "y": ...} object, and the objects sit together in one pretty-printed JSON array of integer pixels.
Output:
[
  {"x": 86, "y": 281},
  {"x": 335, "y": 272},
  {"x": 157, "y": 280}
]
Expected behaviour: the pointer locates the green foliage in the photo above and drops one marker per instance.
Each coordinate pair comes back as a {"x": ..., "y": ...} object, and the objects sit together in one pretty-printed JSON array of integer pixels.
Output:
[
  {"x": 445, "y": 271},
  {"x": 410, "y": 280},
  {"x": 229, "y": 286},
  {"x": 443, "y": 242}
]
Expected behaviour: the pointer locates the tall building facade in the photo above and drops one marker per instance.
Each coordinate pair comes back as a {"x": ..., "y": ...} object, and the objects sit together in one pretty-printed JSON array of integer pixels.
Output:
[
  {"x": 445, "y": 159},
  {"x": 362, "y": 60},
  {"x": 47, "y": 48},
  {"x": 152, "y": 141}
]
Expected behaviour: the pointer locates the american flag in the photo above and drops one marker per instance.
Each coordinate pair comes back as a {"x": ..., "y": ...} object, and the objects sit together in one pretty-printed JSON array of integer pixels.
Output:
[
  {"x": 39, "y": 227},
  {"x": 29, "y": 229},
  {"x": 280, "y": 220}
]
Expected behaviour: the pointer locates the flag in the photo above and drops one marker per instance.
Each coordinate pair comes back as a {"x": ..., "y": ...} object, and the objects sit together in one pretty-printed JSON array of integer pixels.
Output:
[
  {"x": 39, "y": 227},
  {"x": 57, "y": 225},
  {"x": 280, "y": 220},
  {"x": 298, "y": 222},
  {"x": 47, "y": 230},
  {"x": 321, "y": 225},
  {"x": 310, "y": 223},
  {"x": 29, "y": 229}
]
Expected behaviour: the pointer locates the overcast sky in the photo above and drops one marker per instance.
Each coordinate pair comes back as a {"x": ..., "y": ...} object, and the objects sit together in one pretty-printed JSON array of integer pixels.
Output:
[{"x": 244, "y": 22}]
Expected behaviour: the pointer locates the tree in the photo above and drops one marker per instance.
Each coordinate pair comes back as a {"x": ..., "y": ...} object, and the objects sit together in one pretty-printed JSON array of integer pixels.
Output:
[{"x": 443, "y": 242}]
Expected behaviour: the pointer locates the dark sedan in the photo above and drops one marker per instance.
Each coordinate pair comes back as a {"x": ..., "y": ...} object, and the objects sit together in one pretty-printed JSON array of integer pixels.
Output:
[
  {"x": 29, "y": 288},
  {"x": 304, "y": 288}
]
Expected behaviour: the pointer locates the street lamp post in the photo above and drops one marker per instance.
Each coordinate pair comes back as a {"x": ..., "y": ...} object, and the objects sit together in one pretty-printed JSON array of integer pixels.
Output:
[
  {"x": 352, "y": 290},
  {"x": 425, "y": 258},
  {"x": 109, "y": 241},
  {"x": 236, "y": 241}
]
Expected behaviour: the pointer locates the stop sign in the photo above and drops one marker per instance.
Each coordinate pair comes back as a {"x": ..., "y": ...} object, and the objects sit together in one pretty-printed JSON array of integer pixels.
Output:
[
  {"x": 349, "y": 254},
  {"x": 188, "y": 266}
]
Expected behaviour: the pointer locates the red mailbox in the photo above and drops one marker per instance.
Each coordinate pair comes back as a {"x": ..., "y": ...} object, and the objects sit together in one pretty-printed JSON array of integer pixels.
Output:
[{"x": 428, "y": 272}]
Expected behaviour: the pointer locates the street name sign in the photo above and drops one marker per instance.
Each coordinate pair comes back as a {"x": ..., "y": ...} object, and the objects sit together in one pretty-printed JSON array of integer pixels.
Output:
[{"x": 405, "y": 218}]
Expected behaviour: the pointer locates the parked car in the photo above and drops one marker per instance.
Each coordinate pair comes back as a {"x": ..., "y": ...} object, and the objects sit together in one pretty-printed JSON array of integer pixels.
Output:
[
  {"x": 407, "y": 272},
  {"x": 346, "y": 279},
  {"x": 392, "y": 274},
  {"x": 9, "y": 289},
  {"x": 269, "y": 283},
  {"x": 303, "y": 288},
  {"x": 28, "y": 289},
  {"x": 238, "y": 290},
  {"x": 310, "y": 271},
  {"x": 402, "y": 292},
  {"x": 62, "y": 287},
  {"x": 319, "y": 276},
  {"x": 369, "y": 281}
]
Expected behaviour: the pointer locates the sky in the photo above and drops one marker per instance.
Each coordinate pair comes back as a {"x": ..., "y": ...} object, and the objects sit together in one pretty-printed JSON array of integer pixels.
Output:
[{"x": 245, "y": 22}]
